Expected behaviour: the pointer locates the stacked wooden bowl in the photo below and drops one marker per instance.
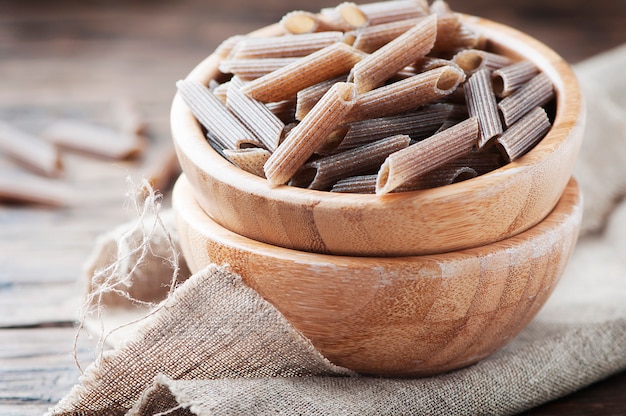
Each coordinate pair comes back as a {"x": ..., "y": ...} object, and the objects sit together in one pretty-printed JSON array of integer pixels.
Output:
[{"x": 407, "y": 284}]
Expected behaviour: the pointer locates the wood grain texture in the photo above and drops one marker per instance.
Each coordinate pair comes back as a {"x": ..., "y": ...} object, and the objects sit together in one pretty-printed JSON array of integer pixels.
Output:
[
  {"x": 488, "y": 208},
  {"x": 402, "y": 316}
]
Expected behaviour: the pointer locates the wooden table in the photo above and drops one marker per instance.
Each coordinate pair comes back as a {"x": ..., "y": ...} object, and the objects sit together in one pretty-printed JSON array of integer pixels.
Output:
[{"x": 72, "y": 59}]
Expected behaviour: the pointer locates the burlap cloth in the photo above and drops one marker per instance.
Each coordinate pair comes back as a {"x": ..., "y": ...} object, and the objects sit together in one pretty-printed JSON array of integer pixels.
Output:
[{"x": 213, "y": 346}]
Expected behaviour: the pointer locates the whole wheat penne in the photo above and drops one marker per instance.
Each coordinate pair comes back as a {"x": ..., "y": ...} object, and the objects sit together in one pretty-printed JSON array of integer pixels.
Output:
[
  {"x": 222, "y": 126},
  {"x": 95, "y": 140},
  {"x": 536, "y": 92},
  {"x": 443, "y": 175},
  {"x": 417, "y": 125},
  {"x": 225, "y": 48},
  {"x": 220, "y": 91},
  {"x": 360, "y": 160},
  {"x": 524, "y": 134},
  {"x": 407, "y": 94},
  {"x": 308, "y": 97},
  {"x": 370, "y": 38},
  {"x": 472, "y": 60},
  {"x": 302, "y": 141},
  {"x": 300, "y": 21},
  {"x": 25, "y": 187},
  {"x": 250, "y": 69},
  {"x": 361, "y": 184},
  {"x": 389, "y": 11},
  {"x": 285, "y": 82},
  {"x": 351, "y": 15},
  {"x": 254, "y": 115},
  {"x": 373, "y": 70},
  {"x": 34, "y": 153},
  {"x": 481, "y": 103},
  {"x": 288, "y": 46},
  {"x": 285, "y": 110},
  {"x": 509, "y": 78},
  {"x": 251, "y": 160},
  {"x": 128, "y": 117},
  {"x": 426, "y": 155}
]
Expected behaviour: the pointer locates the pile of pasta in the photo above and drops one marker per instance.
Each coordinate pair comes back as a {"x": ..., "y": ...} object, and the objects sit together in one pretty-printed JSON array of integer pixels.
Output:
[{"x": 372, "y": 98}]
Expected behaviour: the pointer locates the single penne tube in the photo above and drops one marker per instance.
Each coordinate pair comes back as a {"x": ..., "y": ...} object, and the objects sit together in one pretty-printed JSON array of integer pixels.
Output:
[
  {"x": 407, "y": 94},
  {"x": 481, "y": 103},
  {"x": 288, "y": 46},
  {"x": 424, "y": 156},
  {"x": 388, "y": 11},
  {"x": 250, "y": 69},
  {"x": 25, "y": 187},
  {"x": 299, "y": 21},
  {"x": 361, "y": 184},
  {"x": 443, "y": 175},
  {"x": 254, "y": 115},
  {"x": 472, "y": 60},
  {"x": 285, "y": 82},
  {"x": 524, "y": 134},
  {"x": 509, "y": 78},
  {"x": 481, "y": 161},
  {"x": 223, "y": 128},
  {"x": 251, "y": 160},
  {"x": 307, "y": 136},
  {"x": 285, "y": 110},
  {"x": 417, "y": 125},
  {"x": 373, "y": 70},
  {"x": 360, "y": 160},
  {"x": 370, "y": 38},
  {"x": 38, "y": 155},
  {"x": 94, "y": 139},
  {"x": 536, "y": 92},
  {"x": 308, "y": 97},
  {"x": 348, "y": 14}
]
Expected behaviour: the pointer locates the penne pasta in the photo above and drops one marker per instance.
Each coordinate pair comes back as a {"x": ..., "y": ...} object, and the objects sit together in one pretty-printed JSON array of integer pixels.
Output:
[
  {"x": 322, "y": 173},
  {"x": 389, "y": 11},
  {"x": 254, "y": 115},
  {"x": 536, "y": 92},
  {"x": 481, "y": 103},
  {"x": 285, "y": 82},
  {"x": 250, "y": 69},
  {"x": 373, "y": 70},
  {"x": 302, "y": 141},
  {"x": 285, "y": 110},
  {"x": 225, "y": 48},
  {"x": 284, "y": 46},
  {"x": 509, "y": 78},
  {"x": 251, "y": 160},
  {"x": 524, "y": 134},
  {"x": 361, "y": 184},
  {"x": 371, "y": 38},
  {"x": 422, "y": 157},
  {"x": 472, "y": 60},
  {"x": 299, "y": 22},
  {"x": 417, "y": 125},
  {"x": 407, "y": 94},
  {"x": 222, "y": 127},
  {"x": 443, "y": 175},
  {"x": 308, "y": 97},
  {"x": 34, "y": 153}
]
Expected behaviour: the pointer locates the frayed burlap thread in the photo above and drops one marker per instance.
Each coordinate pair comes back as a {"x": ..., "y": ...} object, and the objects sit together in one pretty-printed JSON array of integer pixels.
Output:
[{"x": 212, "y": 326}]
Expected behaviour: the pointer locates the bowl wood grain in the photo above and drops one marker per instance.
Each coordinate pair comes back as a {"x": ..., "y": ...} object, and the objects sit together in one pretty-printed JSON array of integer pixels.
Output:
[{"x": 403, "y": 316}]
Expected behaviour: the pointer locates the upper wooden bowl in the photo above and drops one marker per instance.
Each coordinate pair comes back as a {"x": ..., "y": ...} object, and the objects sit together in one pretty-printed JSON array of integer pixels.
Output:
[
  {"x": 402, "y": 316},
  {"x": 468, "y": 214}
]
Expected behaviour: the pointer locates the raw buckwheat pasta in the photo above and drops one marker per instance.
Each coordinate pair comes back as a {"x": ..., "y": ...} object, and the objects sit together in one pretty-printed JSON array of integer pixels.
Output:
[
  {"x": 323, "y": 173},
  {"x": 285, "y": 82},
  {"x": 420, "y": 158},
  {"x": 302, "y": 141},
  {"x": 375, "y": 69},
  {"x": 255, "y": 115},
  {"x": 481, "y": 103},
  {"x": 394, "y": 87}
]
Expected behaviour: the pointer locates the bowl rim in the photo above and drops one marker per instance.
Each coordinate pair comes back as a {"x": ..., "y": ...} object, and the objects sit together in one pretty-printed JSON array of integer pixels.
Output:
[{"x": 568, "y": 116}]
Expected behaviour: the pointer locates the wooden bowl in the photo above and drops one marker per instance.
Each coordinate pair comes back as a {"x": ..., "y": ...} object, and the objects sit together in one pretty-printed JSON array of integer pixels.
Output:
[
  {"x": 403, "y": 316},
  {"x": 468, "y": 214}
]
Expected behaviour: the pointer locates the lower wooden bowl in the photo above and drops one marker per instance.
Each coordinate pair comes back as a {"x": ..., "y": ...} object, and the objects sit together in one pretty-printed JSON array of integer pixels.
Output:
[{"x": 396, "y": 316}]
